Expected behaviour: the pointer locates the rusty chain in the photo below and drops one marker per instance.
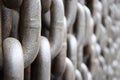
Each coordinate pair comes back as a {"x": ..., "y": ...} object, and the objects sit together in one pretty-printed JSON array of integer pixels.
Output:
[{"x": 59, "y": 39}]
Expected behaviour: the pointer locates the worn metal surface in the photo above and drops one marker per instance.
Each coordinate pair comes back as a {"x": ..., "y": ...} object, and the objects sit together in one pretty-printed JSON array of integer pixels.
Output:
[{"x": 59, "y": 39}]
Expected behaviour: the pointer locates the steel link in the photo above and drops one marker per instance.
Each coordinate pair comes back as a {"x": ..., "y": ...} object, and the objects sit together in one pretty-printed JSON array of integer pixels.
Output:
[
  {"x": 13, "y": 60},
  {"x": 56, "y": 27},
  {"x": 30, "y": 29},
  {"x": 41, "y": 67},
  {"x": 59, "y": 64},
  {"x": 70, "y": 12}
]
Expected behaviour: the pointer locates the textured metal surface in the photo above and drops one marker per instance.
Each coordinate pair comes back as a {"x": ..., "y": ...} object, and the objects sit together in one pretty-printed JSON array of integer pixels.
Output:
[{"x": 59, "y": 39}]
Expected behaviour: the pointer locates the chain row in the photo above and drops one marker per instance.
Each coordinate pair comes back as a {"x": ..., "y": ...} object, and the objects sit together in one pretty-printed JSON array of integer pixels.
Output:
[{"x": 59, "y": 39}]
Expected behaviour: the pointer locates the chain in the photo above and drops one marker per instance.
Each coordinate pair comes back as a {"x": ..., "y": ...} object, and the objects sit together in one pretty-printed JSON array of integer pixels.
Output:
[{"x": 59, "y": 39}]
